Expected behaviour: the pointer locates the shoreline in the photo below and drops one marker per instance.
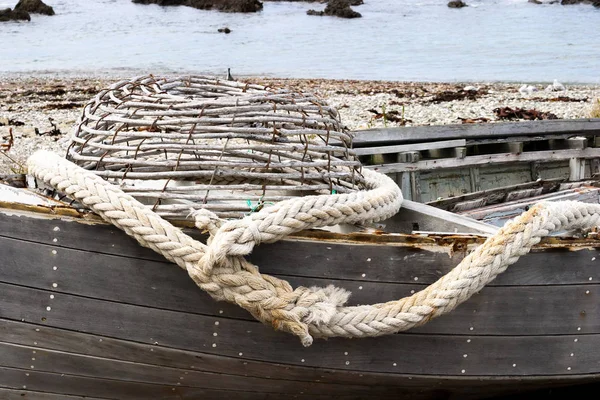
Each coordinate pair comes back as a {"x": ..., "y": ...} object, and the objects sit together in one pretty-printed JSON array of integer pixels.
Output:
[
  {"x": 127, "y": 73},
  {"x": 44, "y": 109}
]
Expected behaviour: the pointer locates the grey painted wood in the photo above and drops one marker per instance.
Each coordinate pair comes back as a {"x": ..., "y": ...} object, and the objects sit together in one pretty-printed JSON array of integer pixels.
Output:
[
  {"x": 394, "y": 262},
  {"x": 396, "y": 384},
  {"x": 436, "y": 349},
  {"x": 440, "y": 217},
  {"x": 109, "y": 347},
  {"x": 70, "y": 232},
  {"x": 23, "y": 333},
  {"x": 24, "y": 357},
  {"x": 486, "y": 160},
  {"x": 496, "y": 194},
  {"x": 411, "y": 134},
  {"x": 122, "y": 390},
  {"x": 14, "y": 394},
  {"x": 124, "y": 279},
  {"x": 511, "y": 209},
  {"x": 151, "y": 284},
  {"x": 410, "y": 147}
]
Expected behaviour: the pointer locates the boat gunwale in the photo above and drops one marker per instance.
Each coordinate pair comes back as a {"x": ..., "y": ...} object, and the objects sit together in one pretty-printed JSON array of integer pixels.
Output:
[{"x": 457, "y": 241}]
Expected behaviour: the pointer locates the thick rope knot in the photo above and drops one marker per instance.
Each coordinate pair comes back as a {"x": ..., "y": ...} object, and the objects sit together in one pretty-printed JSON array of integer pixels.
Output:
[{"x": 221, "y": 270}]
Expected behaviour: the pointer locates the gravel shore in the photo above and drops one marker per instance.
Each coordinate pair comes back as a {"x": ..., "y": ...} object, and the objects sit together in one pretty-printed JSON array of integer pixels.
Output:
[{"x": 41, "y": 111}]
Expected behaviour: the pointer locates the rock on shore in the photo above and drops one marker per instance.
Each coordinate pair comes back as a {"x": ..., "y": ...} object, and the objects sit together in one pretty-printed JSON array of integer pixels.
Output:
[
  {"x": 595, "y": 3},
  {"x": 457, "y": 4},
  {"x": 338, "y": 8},
  {"x": 23, "y": 9},
  {"x": 34, "y": 7},
  {"x": 14, "y": 15},
  {"x": 243, "y": 6}
]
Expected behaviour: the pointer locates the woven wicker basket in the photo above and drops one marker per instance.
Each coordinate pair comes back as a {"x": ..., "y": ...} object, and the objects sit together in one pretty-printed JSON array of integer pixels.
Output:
[{"x": 195, "y": 142}]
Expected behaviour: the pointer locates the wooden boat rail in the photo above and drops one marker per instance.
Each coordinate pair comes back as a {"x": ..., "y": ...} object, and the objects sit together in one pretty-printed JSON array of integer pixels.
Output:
[{"x": 431, "y": 162}]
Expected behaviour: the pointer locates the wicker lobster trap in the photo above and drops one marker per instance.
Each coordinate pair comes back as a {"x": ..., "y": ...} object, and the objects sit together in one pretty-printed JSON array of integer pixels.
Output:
[{"x": 185, "y": 143}]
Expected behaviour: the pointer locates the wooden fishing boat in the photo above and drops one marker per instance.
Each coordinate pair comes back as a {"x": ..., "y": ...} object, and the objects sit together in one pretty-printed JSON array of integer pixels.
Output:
[{"x": 88, "y": 313}]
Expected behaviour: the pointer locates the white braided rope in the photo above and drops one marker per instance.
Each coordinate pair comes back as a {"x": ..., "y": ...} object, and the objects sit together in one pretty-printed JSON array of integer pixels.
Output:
[{"x": 220, "y": 269}]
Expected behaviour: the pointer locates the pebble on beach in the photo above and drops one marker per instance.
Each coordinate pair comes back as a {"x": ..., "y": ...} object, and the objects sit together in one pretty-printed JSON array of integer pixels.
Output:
[{"x": 35, "y": 109}]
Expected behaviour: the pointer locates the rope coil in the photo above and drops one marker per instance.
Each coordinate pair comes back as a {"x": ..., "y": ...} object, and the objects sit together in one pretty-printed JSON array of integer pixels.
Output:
[{"x": 220, "y": 269}]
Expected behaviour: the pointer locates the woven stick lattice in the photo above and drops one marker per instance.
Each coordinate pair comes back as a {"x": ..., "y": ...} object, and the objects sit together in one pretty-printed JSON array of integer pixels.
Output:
[{"x": 200, "y": 142}]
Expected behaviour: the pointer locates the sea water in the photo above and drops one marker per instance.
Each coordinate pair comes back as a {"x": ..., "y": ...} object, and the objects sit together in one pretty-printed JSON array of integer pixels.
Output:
[{"x": 406, "y": 40}]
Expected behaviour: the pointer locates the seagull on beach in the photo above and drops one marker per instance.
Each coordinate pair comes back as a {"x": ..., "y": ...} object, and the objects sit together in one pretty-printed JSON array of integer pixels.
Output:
[
  {"x": 527, "y": 90},
  {"x": 556, "y": 86},
  {"x": 229, "y": 77}
]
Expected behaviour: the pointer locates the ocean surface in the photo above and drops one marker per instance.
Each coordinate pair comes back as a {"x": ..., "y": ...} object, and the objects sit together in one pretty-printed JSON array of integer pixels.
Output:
[{"x": 401, "y": 40}]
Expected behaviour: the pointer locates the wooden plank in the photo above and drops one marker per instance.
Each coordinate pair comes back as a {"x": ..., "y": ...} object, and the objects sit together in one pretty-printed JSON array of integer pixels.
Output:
[
  {"x": 594, "y": 167},
  {"x": 523, "y": 194},
  {"x": 535, "y": 171},
  {"x": 577, "y": 142},
  {"x": 511, "y": 139},
  {"x": 529, "y": 311},
  {"x": 487, "y": 159},
  {"x": 66, "y": 232},
  {"x": 91, "y": 344},
  {"x": 497, "y": 194},
  {"x": 469, "y": 205},
  {"x": 464, "y": 388},
  {"x": 94, "y": 345},
  {"x": 415, "y": 186},
  {"x": 398, "y": 135},
  {"x": 438, "y": 354},
  {"x": 45, "y": 360},
  {"x": 157, "y": 284},
  {"x": 107, "y": 276},
  {"x": 444, "y": 144},
  {"x": 14, "y": 394},
  {"x": 405, "y": 186},
  {"x": 517, "y": 207},
  {"x": 438, "y": 214},
  {"x": 474, "y": 179},
  {"x": 576, "y": 169},
  {"x": 121, "y": 390}
]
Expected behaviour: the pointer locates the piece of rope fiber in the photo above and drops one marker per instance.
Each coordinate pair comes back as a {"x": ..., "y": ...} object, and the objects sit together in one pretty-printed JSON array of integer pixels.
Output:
[{"x": 220, "y": 269}]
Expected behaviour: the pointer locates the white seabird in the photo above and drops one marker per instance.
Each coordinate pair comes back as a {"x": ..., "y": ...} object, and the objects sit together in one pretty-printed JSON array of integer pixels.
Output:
[
  {"x": 527, "y": 90},
  {"x": 557, "y": 86}
]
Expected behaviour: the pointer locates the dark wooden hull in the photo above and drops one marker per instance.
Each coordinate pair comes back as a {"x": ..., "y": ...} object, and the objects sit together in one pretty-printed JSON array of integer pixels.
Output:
[{"x": 85, "y": 311}]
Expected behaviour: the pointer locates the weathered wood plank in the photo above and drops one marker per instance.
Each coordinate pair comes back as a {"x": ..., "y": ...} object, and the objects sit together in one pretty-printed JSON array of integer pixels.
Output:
[
  {"x": 576, "y": 169},
  {"x": 121, "y": 390},
  {"x": 89, "y": 344},
  {"x": 398, "y": 135},
  {"x": 45, "y": 360},
  {"x": 487, "y": 159},
  {"x": 94, "y": 345},
  {"x": 497, "y": 194},
  {"x": 440, "y": 217},
  {"x": 566, "y": 313},
  {"x": 69, "y": 232},
  {"x": 159, "y": 284},
  {"x": 463, "y": 389},
  {"x": 410, "y": 147},
  {"x": 526, "y": 139},
  {"x": 14, "y": 394},
  {"x": 130, "y": 281},
  {"x": 511, "y": 209}
]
